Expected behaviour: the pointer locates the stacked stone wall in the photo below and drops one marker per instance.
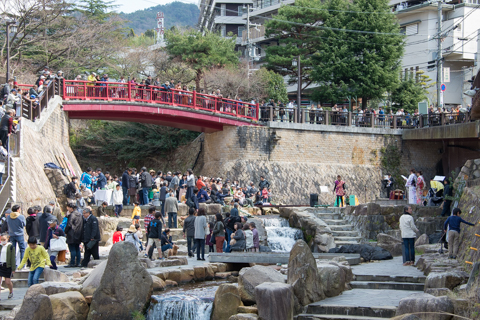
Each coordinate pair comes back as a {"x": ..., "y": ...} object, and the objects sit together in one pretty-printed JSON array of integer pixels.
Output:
[
  {"x": 41, "y": 141},
  {"x": 296, "y": 162}
]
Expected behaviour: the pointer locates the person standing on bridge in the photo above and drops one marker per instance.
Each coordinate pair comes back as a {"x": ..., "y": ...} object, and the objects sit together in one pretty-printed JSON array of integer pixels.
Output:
[{"x": 6, "y": 127}]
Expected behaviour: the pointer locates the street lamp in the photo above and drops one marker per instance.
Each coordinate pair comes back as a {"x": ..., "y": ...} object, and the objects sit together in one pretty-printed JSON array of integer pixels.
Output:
[
  {"x": 11, "y": 26},
  {"x": 296, "y": 63}
]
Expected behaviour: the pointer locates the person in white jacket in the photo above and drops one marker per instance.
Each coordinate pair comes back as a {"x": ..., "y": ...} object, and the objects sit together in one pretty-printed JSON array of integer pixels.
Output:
[
  {"x": 14, "y": 101},
  {"x": 409, "y": 232},
  {"x": 118, "y": 200}
]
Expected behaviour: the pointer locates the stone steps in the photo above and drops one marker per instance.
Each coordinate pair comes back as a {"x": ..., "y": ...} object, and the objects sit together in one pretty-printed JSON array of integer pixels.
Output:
[
  {"x": 335, "y": 222},
  {"x": 23, "y": 283},
  {"x": 334, "y": 317},
  {"x": 387, "y": 285},
  {"x": 344, "y": 233},
  {"x": 355, "y": 238},
  {"x": 339, "y": 243},
  {"x": 410, "y": 279},
  {"x": 327, "y": 215},
  {"x": 341, "y": 227},
  {"x": 320, "y": 310}
]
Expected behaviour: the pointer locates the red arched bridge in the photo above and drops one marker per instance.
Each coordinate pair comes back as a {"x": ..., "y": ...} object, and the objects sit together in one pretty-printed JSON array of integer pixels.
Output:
[{"x": 149, "y": 104}]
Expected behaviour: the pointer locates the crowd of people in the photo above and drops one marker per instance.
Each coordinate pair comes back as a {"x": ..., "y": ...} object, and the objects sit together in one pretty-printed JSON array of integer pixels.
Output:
[
  {"x": 48, "y": 240},
  {"x": 378, "y": 117}
]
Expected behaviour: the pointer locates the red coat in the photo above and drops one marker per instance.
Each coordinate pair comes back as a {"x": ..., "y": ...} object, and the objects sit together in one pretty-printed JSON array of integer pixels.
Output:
[{"x": 117, "y": 237}]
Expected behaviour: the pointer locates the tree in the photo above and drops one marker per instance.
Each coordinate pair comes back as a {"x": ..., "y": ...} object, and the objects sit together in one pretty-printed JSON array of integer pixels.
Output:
[
  {"x": 200, "y": 51},
  {"x": 411, "y": 90},
  {"x": 360, "y": 52},
  {"x": 150, "y": 33},
  {"x": 99, "y": 10},
  {"x": 276, "y": 88},
  {"x": 295, "y": 29}
]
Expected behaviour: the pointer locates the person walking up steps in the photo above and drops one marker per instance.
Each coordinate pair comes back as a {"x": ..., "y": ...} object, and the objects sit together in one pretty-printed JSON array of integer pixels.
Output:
[
  {"x": 155, "y": 233},
  {"x": 453, "y": 222},
  {"x": 38, "y": 257}
]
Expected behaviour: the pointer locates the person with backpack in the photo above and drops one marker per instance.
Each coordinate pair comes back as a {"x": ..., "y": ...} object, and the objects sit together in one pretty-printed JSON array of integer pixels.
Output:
[
  {"x": 74, "y": 234},
  {"x": 32, "y": 225},
  {"x": 16, "y": 222},
  {"x": 154, "y": 234},
  {"x": 192, "y": 202},
  {"x": 131, "y": 236},
  {"x": 8, "y": 263}
]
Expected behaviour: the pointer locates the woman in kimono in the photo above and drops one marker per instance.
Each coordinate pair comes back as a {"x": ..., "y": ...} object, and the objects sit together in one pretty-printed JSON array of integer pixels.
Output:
[
  {"x": 420, "y": 185},
  {"x": 411, "y": 187}
]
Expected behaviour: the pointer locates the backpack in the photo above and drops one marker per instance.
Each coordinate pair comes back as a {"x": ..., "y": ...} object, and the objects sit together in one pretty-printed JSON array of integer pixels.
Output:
[{"x": 65, "y": 189}]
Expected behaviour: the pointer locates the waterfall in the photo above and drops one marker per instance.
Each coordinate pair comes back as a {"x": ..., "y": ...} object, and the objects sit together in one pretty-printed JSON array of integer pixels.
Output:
[
  {"x": 280, "y": 236},
  {"x": 180, "y": 307}
]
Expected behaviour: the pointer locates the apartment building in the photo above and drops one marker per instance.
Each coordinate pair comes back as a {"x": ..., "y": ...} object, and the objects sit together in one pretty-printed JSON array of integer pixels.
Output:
[{"x": 460, "y": 25}]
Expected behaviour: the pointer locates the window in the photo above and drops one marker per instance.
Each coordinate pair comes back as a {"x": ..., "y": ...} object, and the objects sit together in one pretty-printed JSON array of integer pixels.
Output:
[
  {"x": 240, "y": 31},
  {"x": 223, "y": 30},
  {"x": 409, "y": 29},
  {"x": 240, "y": 11}
]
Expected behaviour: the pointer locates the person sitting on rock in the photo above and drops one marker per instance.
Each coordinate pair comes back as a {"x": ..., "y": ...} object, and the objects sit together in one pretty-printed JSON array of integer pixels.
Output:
[
  {"x": 453, "y": 223},
  {"x": 131, "y": 236},
  {"x": 167, "y": 243},
  {"x": 38, "y": 257},
  {"x": 117, "y": 235},
  {"x": 239, "y": 237}
]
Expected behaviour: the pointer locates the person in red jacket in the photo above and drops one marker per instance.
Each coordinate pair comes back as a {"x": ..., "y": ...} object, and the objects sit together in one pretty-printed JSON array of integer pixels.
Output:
[{"x": 117, "y": 235}]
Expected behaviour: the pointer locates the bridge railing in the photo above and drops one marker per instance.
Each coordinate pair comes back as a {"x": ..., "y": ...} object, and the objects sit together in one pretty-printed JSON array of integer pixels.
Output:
[
  {"x": 119, "y": 91},
  {"x": 31, "y": 109},
  {"x": 367, "y": 120}
]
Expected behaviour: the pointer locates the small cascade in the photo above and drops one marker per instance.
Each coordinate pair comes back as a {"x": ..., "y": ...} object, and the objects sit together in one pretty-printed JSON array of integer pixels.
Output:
[
  {"x": 180, "y": 307},
  {"x": 280, "y": 236}
]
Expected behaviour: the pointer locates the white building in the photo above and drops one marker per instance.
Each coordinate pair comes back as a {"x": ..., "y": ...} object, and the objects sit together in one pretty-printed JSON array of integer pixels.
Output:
[{"x": 460, "y": 22}]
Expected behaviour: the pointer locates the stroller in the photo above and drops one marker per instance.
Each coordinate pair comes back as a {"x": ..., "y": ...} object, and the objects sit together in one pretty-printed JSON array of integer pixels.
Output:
[{"x": 435, "y": 194}]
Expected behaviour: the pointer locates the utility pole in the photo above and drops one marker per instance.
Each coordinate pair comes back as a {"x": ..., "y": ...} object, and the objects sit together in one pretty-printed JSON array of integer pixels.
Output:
[
  {"x": 439, "y": 54},
  {"x": 299, "y": 90},
  {"x": 248, "y": 41}
]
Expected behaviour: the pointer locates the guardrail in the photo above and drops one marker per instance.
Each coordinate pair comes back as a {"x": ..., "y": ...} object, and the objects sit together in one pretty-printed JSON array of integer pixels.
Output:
[
  {"x": 32, "y": 109},
  {"x": 368, "y": 120},
  {"x": 118, "y": 91}
]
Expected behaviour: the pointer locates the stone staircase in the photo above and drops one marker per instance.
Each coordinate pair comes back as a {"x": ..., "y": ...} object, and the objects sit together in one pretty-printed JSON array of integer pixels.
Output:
[
  {"x": 20, "y": 279},
  {"x": 343, "y": 232},
  {"x": 373, "y": 296}
]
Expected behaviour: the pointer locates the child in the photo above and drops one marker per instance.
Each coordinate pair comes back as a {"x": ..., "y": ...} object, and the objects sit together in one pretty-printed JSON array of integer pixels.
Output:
[
  {"x": 248, "y": 237},
  {"x": 118, "y": 200},
  {"x": 140, "y": 236},
  {"x": 265, "y": 195},
  {"x": 38, "y": 257},
  {"x": 7, "y": 262},
  {"x": 256, "y": 241},
  {"x": 53, "y": 232},
  {"x": 117, "y": 235},
  {"x": 209, "y": 237},
  {"x": 137, "y": 212}
]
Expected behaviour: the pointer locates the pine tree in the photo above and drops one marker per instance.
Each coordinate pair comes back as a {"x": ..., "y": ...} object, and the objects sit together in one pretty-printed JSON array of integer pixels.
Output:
[{"x": 364, "y": 59}]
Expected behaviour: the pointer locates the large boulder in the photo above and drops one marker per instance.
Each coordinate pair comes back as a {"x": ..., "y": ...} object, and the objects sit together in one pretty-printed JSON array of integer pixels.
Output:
[
  {"x": 275, "y": 301},
  {"x": 54, "y": 275},
  {"x": 93, "y": 280},
  {"x": 69, "y": 305},
  {"x": 158, "y": 284},
  {"x": 36, "y": 305},
  {"x": 426, "y": 306},
  {"x": 60, "y": 287},
  {"x": 448, "y": 279},
  {"x": 366, "y": 251},
  {"x": 333, "y": 279},
  {"x": 422, "y": 240},
  {"x": 389, "y": 243},
  {"x": 227, "y": 300},
  {"x": 126, "y": 289},
  {"x": 303, "y": 275},
  {"x": 249, "y": 278}
]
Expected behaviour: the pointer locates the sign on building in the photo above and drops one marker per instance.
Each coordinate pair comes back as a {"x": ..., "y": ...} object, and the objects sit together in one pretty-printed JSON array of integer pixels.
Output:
[
  {"x": 160, "y": 27},
  {"x": 446, "y": 74}
]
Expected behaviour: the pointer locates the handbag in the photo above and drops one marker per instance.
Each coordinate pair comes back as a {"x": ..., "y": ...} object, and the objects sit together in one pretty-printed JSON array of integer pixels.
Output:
[
  {"x": 62, "y": 256},
  {"x": 58, "y": 244},
  {"x": 91, "y": 244}
]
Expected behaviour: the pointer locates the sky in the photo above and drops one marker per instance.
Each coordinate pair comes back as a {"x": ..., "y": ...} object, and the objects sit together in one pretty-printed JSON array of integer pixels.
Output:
[{"x": 128, "y": 6}]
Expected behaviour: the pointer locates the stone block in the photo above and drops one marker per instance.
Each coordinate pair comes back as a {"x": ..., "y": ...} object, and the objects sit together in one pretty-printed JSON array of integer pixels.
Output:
[
  {"x": 430, "y": 305},
  {"x": 54, "y": 275},
  {"x": 389, "y": 243},
  {"x": 199, "y": 273},
  {"x": 182, "y": 210},
  {"x": 69, "y": 305},
  {"x": 59, "y": 287},
  {"x": 227, "y": 300},
  {"x": 449, "y": 279},
  {"x": 158, "y": 284},
  {"x": 275, "y": 301},
  {"x": 214, "y": 208},
  {"x": 249, "y": 278}
]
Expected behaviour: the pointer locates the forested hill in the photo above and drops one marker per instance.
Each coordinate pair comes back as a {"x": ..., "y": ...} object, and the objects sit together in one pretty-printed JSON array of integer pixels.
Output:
[{"x": 176, "y": 14}]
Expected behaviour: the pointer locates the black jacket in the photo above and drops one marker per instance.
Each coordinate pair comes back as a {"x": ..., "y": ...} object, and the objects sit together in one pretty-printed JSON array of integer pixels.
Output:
[
  {"x": 189, "y": 226},
  {"x": 71, "y": 190},
  {"x": 263, "y": 184},
  {"x": 90, "y": 229},
  {"x": 230, "y": 222},
  {"x": 163, "y": 193},
  {"x": 74, "y": 228},
  {"x": 155, "y": 229},
  {"x": 146, "y": 180},
  {"x": 33, "y": 227},
  {"x": 126, "y": 180},
  {"x": 43, "y": 219}
]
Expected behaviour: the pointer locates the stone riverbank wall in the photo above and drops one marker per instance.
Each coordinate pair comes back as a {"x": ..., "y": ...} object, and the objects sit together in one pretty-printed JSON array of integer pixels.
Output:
[
  {"x": 299, "y": 158},
  {"x": 41, "y": 142}
]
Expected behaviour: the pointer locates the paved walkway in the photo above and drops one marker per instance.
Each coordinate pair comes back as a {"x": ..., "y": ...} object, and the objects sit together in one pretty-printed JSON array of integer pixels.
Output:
[{"x": 392, "y": 267}]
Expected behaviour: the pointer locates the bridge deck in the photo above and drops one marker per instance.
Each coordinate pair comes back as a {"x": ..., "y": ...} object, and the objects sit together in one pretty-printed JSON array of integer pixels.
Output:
[{"x": 274, "y": 257}]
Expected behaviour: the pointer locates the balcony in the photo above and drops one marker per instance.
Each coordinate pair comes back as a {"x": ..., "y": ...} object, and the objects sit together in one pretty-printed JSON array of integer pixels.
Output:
[{"x": 256, "y": 34}]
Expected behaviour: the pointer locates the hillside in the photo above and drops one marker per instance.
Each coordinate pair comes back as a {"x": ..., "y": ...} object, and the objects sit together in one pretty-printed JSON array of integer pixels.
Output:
[{"x": 176, "y": 14}]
